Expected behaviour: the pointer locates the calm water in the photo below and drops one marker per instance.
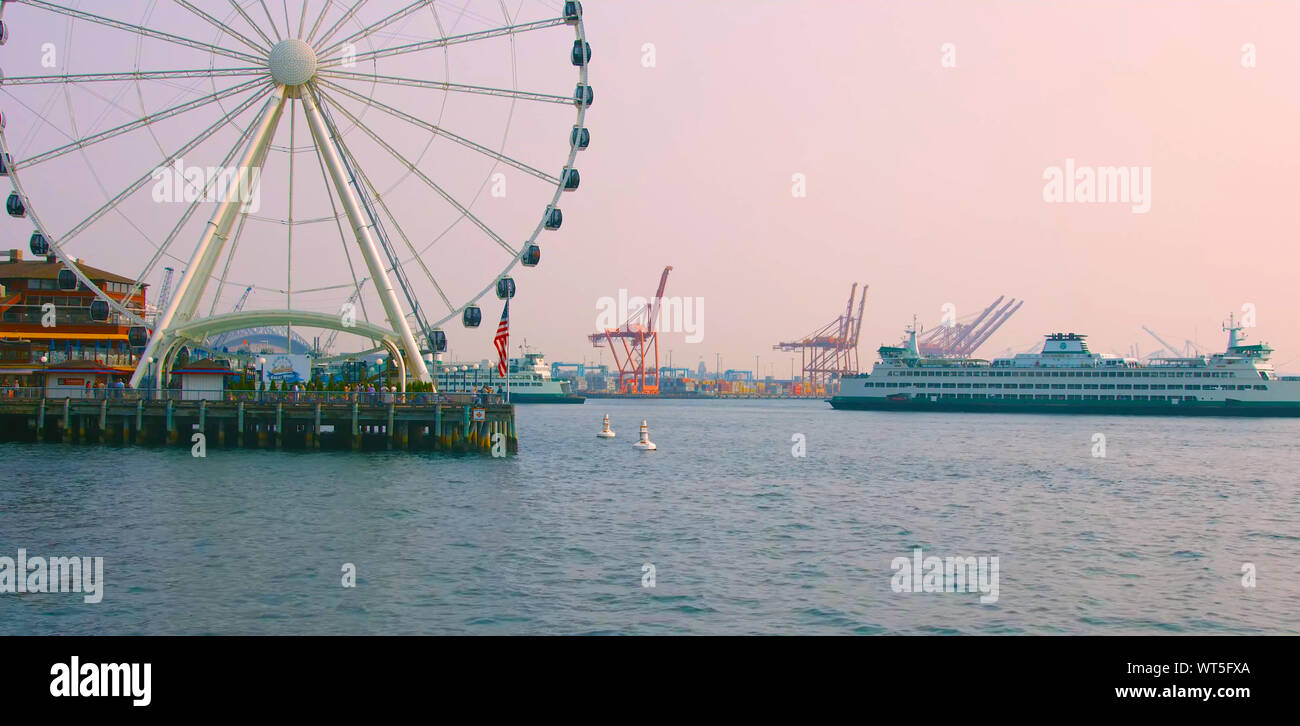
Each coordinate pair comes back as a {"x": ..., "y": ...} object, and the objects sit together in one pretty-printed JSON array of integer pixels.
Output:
[{"x": 744, "y": 537}]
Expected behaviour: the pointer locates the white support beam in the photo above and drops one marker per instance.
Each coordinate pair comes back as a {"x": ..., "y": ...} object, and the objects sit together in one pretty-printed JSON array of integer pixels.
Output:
[{"x": 326, "y": 139}]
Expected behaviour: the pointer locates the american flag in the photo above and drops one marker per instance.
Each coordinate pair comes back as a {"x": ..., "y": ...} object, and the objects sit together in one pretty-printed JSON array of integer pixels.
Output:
[{"x": 502, "y": 341}]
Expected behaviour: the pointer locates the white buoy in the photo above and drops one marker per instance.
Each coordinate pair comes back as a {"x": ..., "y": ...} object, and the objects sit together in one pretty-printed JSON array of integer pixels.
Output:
[
  {"x": 606, "y": 433},
  {"x": 645, "y": 444}
]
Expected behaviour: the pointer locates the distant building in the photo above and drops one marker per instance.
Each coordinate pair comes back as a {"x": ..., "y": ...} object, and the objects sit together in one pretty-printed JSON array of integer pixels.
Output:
[
  {"x": 27, "y": 346},
  {"x": 702, "y": 372}
]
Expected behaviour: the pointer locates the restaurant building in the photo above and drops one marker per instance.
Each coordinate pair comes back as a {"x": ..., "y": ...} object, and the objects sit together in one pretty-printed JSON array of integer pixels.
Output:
[{"x": 81, "y": 327}]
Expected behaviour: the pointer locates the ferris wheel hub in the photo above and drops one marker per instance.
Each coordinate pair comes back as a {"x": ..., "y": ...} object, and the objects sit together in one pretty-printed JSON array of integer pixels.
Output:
[{"x": 293, "y": 62}]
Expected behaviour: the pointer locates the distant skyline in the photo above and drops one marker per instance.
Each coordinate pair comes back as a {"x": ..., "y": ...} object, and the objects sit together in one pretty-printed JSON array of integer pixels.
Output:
[{"x": 925, "y": 133}]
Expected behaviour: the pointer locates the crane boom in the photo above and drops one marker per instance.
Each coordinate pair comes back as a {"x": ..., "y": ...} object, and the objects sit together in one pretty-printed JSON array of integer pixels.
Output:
[
  {"x": 1172, "y": 350},
  {"x": 164, "y": 292},
  {"x": 659, "y": 295}
]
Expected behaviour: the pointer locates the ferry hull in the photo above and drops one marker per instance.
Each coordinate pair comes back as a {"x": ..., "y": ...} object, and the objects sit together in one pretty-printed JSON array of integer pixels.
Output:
[
  {"x": 1230, "y": 407},
  {"x": 544, "y": 398}
]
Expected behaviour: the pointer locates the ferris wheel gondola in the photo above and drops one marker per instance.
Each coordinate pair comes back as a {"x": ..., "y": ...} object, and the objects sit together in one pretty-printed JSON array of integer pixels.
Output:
[{"x": 336, "y": 118}]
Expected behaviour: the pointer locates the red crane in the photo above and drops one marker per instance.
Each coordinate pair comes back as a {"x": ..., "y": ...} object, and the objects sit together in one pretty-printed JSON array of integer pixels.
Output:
[
  {"x": 832, "y": 351},
  {"x": 638, "y": 342}
]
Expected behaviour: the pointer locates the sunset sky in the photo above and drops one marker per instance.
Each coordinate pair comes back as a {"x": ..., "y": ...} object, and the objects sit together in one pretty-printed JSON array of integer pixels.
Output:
[
  {"x": 926, "y": 182},
  {"x": 923, "y": 181}
]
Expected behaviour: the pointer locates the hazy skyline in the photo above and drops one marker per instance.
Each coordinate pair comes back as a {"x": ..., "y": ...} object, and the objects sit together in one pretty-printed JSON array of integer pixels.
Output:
[{"x": 923, "y": 181}]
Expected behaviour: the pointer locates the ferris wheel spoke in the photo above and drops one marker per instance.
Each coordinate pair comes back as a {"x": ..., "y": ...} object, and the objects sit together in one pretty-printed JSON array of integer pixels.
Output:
[
  {"x": 140, "y": 30},
  {"x": 352, "y": 11},
  {"x": 190, "y": 209},
  {"x": 134, "y": 76},
  {"x": 453, "y": 87},
  {"x": 424, "y": 178},
  {"x": 138, "y": 123},
  {"x": 375, "y": 27},
  {"x": 320, "y": 19},
  {"x": 444, "y": 42},
  {"x": 221, "y": 26},
  {"x": 438, "y": 130},
  {"x": 338, "y": 223},
  {"x": 374, "y": 192},
  {"x": 140, "y": 182},
  {"x": 256, "y": 28},
  {"x": 225, "y": 269},
  {"x": 302, "y": 19},
  {"x": 271, "y": 20}
]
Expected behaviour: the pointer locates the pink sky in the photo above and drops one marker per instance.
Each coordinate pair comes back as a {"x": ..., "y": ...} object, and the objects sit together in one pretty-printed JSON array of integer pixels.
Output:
[{"x": 924, "y": 182}]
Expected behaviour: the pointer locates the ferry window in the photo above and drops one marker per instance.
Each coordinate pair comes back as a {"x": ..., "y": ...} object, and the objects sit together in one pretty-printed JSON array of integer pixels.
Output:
[
  {"x": 1192, "y": 387},
  {"x": 963, "y": 385},
  {"x": 1058, "y": 385},
  {"x": 1106, "y": 386},
  {"x": 1141, "y": 386},
  {"x": 1174, "y": 386},
  {"x": 1090, "y": 386},
  {"x": 1124, "y": 387},
  {"x": 1157, "y": 387},
  {"x": 1243, "y": 388},
  {"x": 1076, "y": 385},
  {"x": 1261, "y": 388}
]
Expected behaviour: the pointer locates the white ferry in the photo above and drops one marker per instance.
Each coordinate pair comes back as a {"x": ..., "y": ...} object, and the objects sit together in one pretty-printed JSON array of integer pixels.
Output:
[
  {"x": 530, "y": 380},
  {"x": 1068, "y": 378}
]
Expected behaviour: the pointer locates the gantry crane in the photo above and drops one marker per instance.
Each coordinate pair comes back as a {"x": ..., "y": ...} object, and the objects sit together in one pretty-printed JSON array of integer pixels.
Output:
[
  {"x": 832, "y": 351},
  {"x": 638, "y": 343},
  {"x": 962, "y": 339}
]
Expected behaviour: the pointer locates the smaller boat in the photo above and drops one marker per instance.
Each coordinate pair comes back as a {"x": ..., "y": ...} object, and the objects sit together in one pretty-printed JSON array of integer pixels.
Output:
[
  {"x": 607, "y": 432},
  {"x": 645, "y": 444}
]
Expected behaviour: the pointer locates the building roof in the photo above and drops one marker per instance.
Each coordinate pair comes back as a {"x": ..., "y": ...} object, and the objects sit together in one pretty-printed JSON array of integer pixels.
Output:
[
  {"x": 80, "y": 366},
  {"x": 46, "y": 270},
  {"x": 206, "y": 366}
]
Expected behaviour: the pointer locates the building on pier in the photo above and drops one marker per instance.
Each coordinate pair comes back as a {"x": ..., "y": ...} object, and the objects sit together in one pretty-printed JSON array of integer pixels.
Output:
[{"x": 83, "y": 329}]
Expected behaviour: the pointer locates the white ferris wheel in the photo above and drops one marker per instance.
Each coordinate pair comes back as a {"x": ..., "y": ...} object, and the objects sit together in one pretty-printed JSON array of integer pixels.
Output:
[{"x": 371, "y": 168}]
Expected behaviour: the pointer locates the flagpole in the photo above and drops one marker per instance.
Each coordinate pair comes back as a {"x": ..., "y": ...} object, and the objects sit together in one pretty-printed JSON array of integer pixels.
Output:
[{"x": 507, "y": 358}]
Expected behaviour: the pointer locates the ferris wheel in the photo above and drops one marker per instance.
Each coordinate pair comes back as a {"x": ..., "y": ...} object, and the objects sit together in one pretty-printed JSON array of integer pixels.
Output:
[{"x": 370, "y": 168}]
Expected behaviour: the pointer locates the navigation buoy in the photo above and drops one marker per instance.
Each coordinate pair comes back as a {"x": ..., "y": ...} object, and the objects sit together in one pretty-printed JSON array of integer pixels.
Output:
[
  {"x": 645, "y": 444},
  {"x": 606, "y": 433}
]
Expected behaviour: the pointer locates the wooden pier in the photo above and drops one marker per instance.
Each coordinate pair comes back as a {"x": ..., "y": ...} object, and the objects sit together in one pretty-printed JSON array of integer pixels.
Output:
[{"x": 295, "y": 421}]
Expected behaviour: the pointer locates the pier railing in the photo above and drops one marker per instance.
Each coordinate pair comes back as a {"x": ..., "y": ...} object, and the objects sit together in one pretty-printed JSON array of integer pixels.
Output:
[{"x": 338, "y": 398}]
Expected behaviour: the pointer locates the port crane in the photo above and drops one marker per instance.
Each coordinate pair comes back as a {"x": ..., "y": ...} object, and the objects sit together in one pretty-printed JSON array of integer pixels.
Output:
[
  {"x": 831, "y": 351},
  {"x": 637, "y": 344},
  {"x": 164, "y": 293},
  {"x": 962, "y": 339},
  {"x": 1173, "y": 351}
]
